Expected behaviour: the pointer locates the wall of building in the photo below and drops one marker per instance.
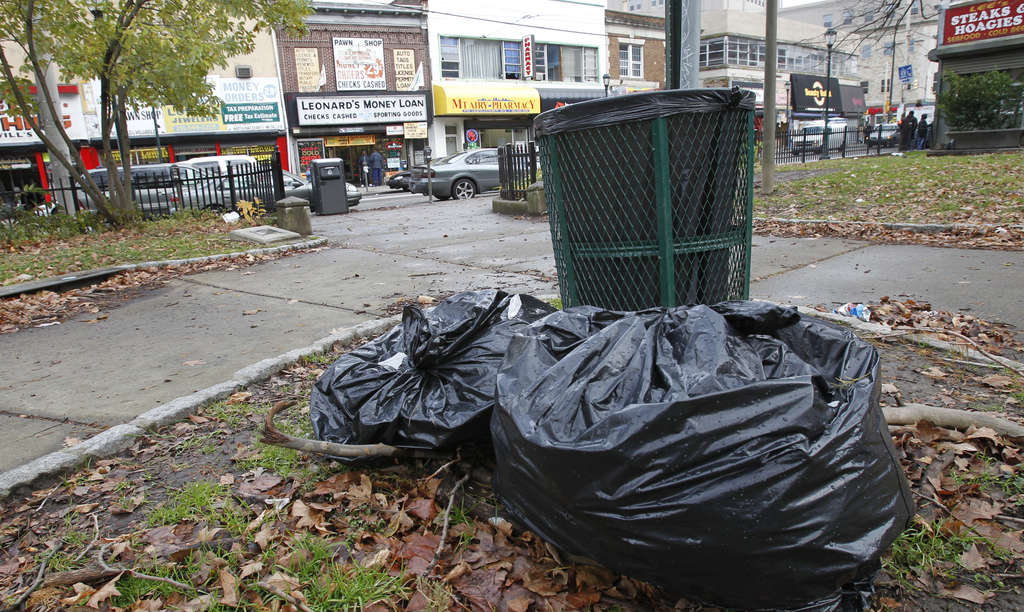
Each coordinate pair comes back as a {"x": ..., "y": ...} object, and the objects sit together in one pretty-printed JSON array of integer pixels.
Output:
[{"x": 642, "y": 30}]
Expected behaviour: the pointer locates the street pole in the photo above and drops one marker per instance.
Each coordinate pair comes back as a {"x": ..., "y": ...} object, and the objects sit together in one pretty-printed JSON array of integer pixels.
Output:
[
  {"x": 768, "y": 122},
  {"x": 789, "y": 118},
  {"x": 156, "y": 132},
  {"x": 430, "y": 178},
  {"x": 48, "y": 118},
  {"x": 682, "y": 44},
  {"x": 830, "y": 39}
]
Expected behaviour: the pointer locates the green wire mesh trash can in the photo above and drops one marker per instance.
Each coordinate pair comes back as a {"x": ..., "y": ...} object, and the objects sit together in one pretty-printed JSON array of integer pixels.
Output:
[{"x": 650, "y": 197}]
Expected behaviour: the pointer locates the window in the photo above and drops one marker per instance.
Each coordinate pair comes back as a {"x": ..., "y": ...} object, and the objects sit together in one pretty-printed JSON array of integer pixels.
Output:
[
  {"x": 827, "y": 20},
  {"x": 865, "y": 51},
  {"x": 450, "y": 57},
  {"x": 869, "y": 17},
  {"x": 631, "y": 61},
  {"x": 472, "y": 58},
  {"x": 565, "y": 63},
  {"x": 887, "y": 49},
  {"x": 910, "y": 45},
  {"x": 913, "y": 9},
  {"x": 451, "y": 138},
  {"x": 885, "y": 83},
  {"x": 513, "y": 60},
  {"x": 712, "y": 52},
  {"x": 847, "y": 16}
]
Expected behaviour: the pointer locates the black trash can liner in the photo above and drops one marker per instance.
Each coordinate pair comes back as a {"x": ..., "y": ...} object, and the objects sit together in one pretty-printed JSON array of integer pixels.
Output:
[
  {"x": 429, "y": 382},
  {"x": 734, "y": 454}
]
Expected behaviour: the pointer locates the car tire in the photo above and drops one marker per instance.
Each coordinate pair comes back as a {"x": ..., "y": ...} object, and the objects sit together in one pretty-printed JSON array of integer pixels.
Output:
[
  {"x": 463, "y": 189},
  {"x": 441, "y": 198}
]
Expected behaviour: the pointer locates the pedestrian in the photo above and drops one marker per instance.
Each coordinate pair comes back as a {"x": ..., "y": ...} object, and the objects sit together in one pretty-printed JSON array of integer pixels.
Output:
[
  {"x": 922, "y": 133},
  {"x": 364, "y": 169},
  {"x": 908, "y": 130},
  {"x": 377, "y": 168}
]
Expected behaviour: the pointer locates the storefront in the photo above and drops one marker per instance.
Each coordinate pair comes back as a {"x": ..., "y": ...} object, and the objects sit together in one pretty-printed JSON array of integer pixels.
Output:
[
  {"x": 348, "y": 125},
  {"x": 249, "y": 122},
  {"x": 980, "y": 37},
  {"x": 470, "y": 116},
  {"x": 23, "y": 157}
]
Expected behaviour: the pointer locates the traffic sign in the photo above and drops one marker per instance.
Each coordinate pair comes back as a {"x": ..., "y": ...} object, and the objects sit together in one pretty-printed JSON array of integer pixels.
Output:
[{"x": 906, "y": 73}]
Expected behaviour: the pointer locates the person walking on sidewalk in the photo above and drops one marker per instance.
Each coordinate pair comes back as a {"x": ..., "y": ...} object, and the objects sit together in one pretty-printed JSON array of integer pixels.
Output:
[
  {"x": 907, "y": 132},
  {"x": 922, "y": 133},
  {"x": 377, "y": 168},
  {"x": 364, "y": 169}
]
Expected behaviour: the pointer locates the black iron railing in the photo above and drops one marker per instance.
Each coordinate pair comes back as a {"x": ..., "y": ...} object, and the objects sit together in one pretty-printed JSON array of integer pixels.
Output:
[{"x": 517, "y": 169}]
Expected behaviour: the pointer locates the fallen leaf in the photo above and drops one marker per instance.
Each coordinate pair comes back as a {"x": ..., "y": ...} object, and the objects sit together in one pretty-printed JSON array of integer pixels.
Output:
[
  {"x": 105, "y": 592},
  {"x": 261, "y": 484},
  {"x": 426, "y": 299},
  {"x": 230, "y": 587},
  {"x": 227, "y": 479},
  {"x": 521, "y": 604},
  {"x": 971, "y": 559},
  {"x": 933, "y": 372},
  {"x": 998, "y": 381},
  {"x": 250, "y": 568},
  {"x": 198, "y": 420},
  {"x": 239, "y": 396},
  {"x": 890, "y": 388},
  {"x": 69, "y": 442},
  {"x": 85, "y": 508},
  {"x": 422, "y": 508},
  {"x": 967, "y": 593},
  {"x": 81, "y": 590},
  {"x": 458, "y": 571},
  {"x": 193, "y": 362},
  {"x": 250, "y": 312}
]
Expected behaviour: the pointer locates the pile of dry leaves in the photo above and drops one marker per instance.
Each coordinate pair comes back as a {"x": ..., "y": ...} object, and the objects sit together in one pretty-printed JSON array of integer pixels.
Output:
[
  {"x": 965, "y": 237},
  {"x": 49, "y": 308}
]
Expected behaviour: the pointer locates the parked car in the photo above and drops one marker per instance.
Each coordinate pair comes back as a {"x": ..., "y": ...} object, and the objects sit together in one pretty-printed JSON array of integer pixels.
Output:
[
  {"x": 460, "y": 176},
  {"x": 808, "y": 138},
  {"x": 888, "y": 136},
  {"x": 298, "y": 186},
  {"x": 156, "y": 189},
  {"x": 218, "y": 163},
  {"x": 400, "y": 180}
]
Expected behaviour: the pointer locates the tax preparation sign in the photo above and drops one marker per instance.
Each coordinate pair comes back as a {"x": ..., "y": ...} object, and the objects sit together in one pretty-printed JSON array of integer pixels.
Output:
[
  {"x": 343, "y": 110},
  {"x": 983, "y": 21}
]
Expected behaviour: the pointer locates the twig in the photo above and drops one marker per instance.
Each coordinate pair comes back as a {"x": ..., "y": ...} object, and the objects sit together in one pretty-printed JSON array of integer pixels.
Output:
[
  {"x": 85, "y": 551},
  {"x": 1012, "y": 519},
  {"x": 444, "y": 529},
  {"x": 458, "y": 455},
  {"x": 136, "y": 574},
  {"x": 973, "y": 363},
  {"x": 285, "y": 596},
  {"x": 18, "y": 603},
  {"x": 999, "y": 360},
  {"x": 911, "y": 413},
  {"x": 45, "y": 499},
  {"x": 271, "y": 435}
]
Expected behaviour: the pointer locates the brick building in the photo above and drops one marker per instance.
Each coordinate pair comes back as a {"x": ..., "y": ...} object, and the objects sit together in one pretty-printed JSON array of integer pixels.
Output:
[
  {"x": 357, "y": 81},
  {"x": 636, "y": 50}
]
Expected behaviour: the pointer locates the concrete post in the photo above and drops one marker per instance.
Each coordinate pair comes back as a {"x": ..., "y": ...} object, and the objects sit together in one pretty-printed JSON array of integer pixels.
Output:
[{"x": 293, "y": 215}]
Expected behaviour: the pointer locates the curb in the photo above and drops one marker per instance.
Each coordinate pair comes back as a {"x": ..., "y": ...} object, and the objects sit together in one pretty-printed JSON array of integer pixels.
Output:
[
  {"x": 79, "y": 278},
  {"x": 924, "y": 228},
  {"x": 120, "y": 437}
]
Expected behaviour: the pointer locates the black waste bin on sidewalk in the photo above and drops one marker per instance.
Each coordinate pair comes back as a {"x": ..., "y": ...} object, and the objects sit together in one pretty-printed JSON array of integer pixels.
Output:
[{"x": 650, "y": 197}]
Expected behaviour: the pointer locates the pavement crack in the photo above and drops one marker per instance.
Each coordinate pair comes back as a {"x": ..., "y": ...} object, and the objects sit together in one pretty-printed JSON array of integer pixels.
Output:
[
  {"x": 810, "y": 263},
  {"x": 283, "y": 299},
  {"x": 535, "y": 274},
  {"x": 60, "y": 420}
]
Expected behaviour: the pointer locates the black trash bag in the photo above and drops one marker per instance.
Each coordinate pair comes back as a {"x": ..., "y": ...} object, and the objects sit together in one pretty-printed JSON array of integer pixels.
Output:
[
  {"x": 746, "y": 470},
  {"x": 429, "y": 382}
]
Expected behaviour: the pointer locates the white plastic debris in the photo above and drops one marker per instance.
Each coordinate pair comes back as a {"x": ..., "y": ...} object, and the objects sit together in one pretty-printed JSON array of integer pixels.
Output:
[{"x": 231, "y": 217}]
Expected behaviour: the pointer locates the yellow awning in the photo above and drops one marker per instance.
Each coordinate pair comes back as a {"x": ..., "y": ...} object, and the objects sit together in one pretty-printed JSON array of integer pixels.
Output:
[{"x": 463, "y": 99}]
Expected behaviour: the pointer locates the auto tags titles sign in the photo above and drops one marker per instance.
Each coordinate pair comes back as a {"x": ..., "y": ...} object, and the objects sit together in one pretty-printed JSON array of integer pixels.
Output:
[{"x": 342, "y": 110}]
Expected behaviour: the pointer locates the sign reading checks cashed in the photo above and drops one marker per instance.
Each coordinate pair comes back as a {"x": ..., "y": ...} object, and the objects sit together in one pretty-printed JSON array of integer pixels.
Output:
[
  {"x": 983, "y": 21},
  {"x": 342, "y": 110}
]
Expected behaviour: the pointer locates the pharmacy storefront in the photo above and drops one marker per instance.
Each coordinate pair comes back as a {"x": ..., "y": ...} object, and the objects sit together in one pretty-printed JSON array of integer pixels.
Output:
[
  {"x": 347, "y": 125},
  {"x": 473, "y": 116}
]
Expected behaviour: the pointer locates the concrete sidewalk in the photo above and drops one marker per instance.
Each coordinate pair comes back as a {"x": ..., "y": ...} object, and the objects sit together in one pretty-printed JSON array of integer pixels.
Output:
[{"x": 76, "y": 379}]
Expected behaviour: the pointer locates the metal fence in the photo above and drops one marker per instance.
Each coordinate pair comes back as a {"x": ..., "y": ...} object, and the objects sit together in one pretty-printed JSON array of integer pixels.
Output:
[
  {"x": 806, "y": 145},
  {"x": 158, "y": 189},
  {"x": 517, "y": 169}
]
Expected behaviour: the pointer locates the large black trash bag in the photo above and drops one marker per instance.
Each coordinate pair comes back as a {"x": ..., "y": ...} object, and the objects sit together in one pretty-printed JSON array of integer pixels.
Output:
[
  {"x": 747, "y": 469},
  {"x": 429, "y": 382}
]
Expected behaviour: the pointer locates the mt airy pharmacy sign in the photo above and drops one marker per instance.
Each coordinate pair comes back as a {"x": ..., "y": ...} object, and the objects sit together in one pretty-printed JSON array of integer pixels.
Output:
[{"x": 343, "y": 110}]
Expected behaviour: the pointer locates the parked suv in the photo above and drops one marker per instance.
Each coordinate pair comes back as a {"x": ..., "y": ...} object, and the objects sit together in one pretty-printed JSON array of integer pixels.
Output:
[
  {"x": 461, "y": 176},
  {"x": 218, "y": 163},
  {"x": 156, "y": 188}
]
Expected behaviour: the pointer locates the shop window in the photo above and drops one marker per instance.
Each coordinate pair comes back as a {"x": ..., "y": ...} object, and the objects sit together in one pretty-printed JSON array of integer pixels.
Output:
[
  {"x": 451, "y": 139},
  {"x": 827, "y": 20},
  {"x": 631, "y": 61},
  {"x": 566, "y": 63}
]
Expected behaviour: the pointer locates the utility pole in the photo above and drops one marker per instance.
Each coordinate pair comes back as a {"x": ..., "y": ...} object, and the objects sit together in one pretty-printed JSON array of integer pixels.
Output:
[
  {"x": 48, "y": 118},
  {"x": 771, "y": 28},
  {"x": 682, "y": 44}
]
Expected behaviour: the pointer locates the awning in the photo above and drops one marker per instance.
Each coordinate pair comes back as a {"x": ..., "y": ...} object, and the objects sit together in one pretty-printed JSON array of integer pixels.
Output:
[
  {"x": 475, "y": 100},
  {"x": 557, "y": 97}
]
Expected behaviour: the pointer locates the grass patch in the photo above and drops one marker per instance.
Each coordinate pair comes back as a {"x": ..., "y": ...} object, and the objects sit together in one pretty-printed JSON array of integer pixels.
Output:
[
  {"x": 202, "y": 501},
  {"x": 989, "y": 478},
  {"x": 913, "y": 188},
  {"x": 929, "y": 548},
  {"x": 70, "y": 244},
  {"x": 332, "y": 585}
]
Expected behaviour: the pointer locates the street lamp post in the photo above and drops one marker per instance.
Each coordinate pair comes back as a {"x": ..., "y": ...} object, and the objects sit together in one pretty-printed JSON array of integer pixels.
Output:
[
  {"x": 607, "y": 80},
  {"x": 789, "y": 120},
  {"x": 830, "y": 39}
]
